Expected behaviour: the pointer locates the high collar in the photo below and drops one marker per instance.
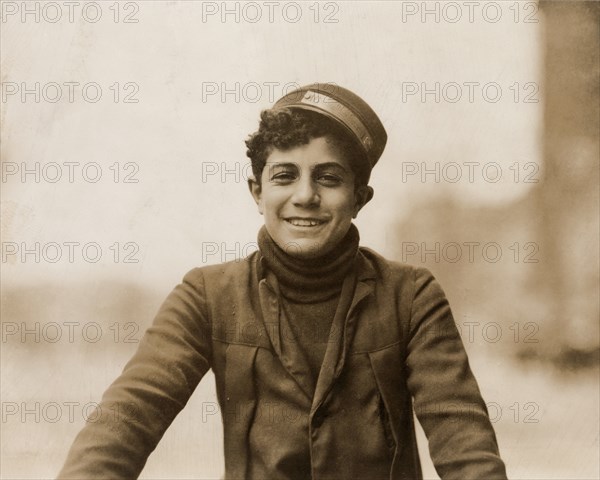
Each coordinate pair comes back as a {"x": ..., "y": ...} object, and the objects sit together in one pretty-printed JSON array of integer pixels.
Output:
[{"x": 307, "y": 280}]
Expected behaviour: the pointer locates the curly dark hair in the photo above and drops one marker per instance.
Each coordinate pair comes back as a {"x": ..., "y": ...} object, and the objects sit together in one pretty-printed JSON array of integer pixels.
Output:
[{"x": 286, "y": 128}]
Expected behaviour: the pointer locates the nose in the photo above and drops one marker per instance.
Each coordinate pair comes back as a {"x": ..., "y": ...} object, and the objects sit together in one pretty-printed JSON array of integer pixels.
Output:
[{"x": 305, "y": 193}]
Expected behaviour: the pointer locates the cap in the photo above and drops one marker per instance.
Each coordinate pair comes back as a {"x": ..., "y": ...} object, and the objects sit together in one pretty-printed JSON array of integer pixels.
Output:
[{"x": 346, "y": 108}]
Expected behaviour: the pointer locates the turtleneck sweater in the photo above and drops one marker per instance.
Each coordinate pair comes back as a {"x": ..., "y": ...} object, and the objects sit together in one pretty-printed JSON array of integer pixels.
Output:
[{"x": 310, "y": 296}]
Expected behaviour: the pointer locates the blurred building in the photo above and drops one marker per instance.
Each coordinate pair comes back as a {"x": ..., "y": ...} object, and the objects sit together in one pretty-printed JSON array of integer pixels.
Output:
[{"x": 544, "y": 290}]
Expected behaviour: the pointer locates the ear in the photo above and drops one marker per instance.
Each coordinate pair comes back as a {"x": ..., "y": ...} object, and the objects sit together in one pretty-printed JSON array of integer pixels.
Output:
[
  {"x": 363, "y": 195},
  {"x": 256, "y": 192}
]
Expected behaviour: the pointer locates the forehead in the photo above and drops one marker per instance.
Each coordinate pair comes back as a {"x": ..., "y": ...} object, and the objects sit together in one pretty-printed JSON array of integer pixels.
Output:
[{"x": 318, "y": 151}]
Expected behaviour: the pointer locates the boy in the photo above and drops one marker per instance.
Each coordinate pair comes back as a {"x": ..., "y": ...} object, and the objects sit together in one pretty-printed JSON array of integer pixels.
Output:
[{"x": 320, "y": 348}]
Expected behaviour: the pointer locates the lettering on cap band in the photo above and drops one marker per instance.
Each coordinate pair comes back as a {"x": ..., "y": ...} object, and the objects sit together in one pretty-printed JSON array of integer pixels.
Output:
[{"x": 341, "y": 112}]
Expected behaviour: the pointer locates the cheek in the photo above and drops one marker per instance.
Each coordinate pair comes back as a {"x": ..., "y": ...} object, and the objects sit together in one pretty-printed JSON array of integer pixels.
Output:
[
  {"x": 271, "y": 204},
  {"x": 345, "y": 204}
]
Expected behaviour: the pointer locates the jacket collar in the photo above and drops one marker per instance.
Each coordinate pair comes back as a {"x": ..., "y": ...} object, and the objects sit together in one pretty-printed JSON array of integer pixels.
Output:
[{"x": 364, "y": 268}]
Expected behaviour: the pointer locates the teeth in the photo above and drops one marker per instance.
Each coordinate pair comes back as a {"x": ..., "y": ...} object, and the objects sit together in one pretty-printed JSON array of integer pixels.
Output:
[{"x": 304, "y": 222}]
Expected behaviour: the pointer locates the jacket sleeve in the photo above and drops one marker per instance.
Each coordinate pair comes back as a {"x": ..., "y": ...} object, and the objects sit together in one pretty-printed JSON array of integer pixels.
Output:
[
  {"x": 173, "y": 356},
  {"x": 446, "y": 397}
]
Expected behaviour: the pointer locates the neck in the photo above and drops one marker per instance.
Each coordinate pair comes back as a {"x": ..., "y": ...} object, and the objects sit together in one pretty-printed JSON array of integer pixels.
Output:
[{"x": 313, "y": 279}]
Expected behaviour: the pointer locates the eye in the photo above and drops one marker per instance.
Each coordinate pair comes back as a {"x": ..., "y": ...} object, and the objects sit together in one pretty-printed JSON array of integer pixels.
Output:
[
  {"x": 283, "y": 176},
  {"x": 329, "y": 179}
]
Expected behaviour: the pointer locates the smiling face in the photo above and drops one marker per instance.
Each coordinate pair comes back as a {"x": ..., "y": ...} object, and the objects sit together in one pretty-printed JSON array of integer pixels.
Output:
[{"x": 308, "y": 197}]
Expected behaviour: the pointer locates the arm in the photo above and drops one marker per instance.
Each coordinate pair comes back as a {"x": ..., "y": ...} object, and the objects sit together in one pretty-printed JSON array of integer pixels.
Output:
[
  {"x": 174, "y": 354},
  {"x": 447, "y": 400}
]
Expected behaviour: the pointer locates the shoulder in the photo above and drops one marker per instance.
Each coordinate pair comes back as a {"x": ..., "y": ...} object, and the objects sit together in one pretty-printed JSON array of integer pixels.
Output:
[
  {"x": 411, "y": 285},
  {"x": 391, "y": 270},
  {"x": 234, "y": 273}
]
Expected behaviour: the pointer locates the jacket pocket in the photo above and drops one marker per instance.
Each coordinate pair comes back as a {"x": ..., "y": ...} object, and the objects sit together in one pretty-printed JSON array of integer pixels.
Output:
[
  {"x": 387, "y": 428},
  {"x": 388, "y": 370},
  {"x": 238, "y": 407}
]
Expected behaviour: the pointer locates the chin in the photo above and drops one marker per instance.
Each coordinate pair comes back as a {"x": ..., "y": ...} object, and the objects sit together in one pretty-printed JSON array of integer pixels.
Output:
[{"x": 302, "y": 248}]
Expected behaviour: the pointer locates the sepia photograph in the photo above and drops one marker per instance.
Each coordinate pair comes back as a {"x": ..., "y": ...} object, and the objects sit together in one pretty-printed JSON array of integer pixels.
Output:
[{"x": 318, "y": 240}]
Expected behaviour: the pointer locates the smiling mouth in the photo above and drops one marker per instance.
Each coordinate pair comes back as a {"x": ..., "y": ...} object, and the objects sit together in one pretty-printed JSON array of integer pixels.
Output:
[{"x": 305, "y": 222}]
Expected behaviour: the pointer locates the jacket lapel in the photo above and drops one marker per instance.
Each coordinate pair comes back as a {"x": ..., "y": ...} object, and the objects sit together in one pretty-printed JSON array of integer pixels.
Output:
[
  {"x": 357, "y": 286},
  {"x": 291, "y": 359}
]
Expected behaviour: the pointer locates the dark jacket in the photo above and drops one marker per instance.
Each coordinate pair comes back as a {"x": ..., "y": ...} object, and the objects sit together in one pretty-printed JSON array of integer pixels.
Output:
[{"x": 397, "y": 349}]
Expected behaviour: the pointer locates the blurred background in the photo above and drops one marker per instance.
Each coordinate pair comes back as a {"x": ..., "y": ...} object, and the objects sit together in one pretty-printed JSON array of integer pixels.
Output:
[{"x": 123, "y": 167}]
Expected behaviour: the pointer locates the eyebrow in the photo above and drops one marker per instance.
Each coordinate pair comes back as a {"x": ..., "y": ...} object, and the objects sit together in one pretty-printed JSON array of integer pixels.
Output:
[
  {"x": 318, "y": 166},
  {"x": 322, "y": 166}
]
